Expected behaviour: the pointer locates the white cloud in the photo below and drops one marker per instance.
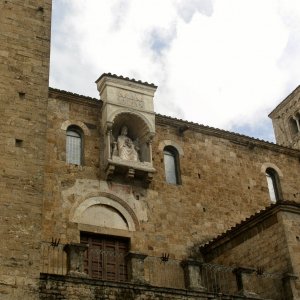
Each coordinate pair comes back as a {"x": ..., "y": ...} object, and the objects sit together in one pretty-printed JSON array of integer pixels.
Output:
[{"x": 217, "y": 62}]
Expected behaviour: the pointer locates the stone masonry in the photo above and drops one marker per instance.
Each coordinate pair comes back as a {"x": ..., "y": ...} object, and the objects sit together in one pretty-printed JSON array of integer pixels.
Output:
[
  {"x": 47, "y": 203},
  {"x": 24, "y": 73}
]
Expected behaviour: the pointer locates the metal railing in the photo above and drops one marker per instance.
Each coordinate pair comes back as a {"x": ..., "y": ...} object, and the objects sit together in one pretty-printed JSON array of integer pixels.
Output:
[
  {"x": 53, "y": 258},
  {"x": 166, "y": 272}
]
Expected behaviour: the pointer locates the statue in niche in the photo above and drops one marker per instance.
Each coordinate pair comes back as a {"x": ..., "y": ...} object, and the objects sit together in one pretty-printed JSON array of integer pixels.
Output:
[{"x": 128, "y": 150}]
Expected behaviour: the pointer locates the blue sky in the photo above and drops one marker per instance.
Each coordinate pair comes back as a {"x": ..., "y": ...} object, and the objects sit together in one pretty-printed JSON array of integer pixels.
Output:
[{"x": 222, "y": 63}]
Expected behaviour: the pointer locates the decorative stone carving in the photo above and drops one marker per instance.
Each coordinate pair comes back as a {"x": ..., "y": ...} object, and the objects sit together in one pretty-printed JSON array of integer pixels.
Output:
[
  {"x": 127, "y": 149},
  {"x": 128, "y": 118},
  {"x": 131, "y": 99}
]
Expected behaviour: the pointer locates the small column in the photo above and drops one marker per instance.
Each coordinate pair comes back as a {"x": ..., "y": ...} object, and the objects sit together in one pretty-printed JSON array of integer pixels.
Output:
[
  {"x": 109, "y": 135},
  {"x": 288, "y": 281},
  {"x": 149, "y": 143},
  {"x": 297, "y": 122},
  {"x": 243, "y": 281},
  {"x": 75, "y": 258},
  {"x": 136, "y": 269},
  {"x": 192, "y": 274}
]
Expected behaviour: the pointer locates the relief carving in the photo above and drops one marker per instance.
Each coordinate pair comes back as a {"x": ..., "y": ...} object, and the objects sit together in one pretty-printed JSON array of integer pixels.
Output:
[{"x": 130, "y": 99}]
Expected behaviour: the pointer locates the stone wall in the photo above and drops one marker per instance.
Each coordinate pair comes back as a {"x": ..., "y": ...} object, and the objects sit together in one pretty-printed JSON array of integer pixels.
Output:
[
  {"x": 267, "y": 244},
  {"x": 291, "y": 223},
  {"x": 222, "y": 174},
  {"x": 285, "y": 134},
  {"x": 24, "y": 71},
  {"x": 266, "y": 250},
  {"x": 60, "y": 287}
]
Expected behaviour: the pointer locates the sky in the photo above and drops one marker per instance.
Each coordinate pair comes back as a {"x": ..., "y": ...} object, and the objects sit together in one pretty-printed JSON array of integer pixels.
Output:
[{"x": 221, "y": 63}]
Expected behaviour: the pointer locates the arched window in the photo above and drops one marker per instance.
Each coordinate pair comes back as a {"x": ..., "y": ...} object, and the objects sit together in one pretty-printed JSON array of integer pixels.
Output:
[
  {"x": 171, "y": 161},
  {"x": 273, "y": 185},
  {"x": 293, "y": 126},
  {"x": 74, "y": 146}
]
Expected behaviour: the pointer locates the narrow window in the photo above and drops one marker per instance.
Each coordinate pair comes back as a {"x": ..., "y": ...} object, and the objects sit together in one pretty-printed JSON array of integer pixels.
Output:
[
  {"x": 273, "y": 185},
  {"x": 171, "y": 162},
  {"x": 74, "y": 146},
  {"x": 293, "y": 126}
]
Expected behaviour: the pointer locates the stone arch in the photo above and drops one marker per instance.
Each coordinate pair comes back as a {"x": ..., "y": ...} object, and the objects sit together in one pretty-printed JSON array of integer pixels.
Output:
[
  {"x": 81, "y": 125},
  {"x": 166, "y": 143},
  {"x": 139, "y": 131},
  {"x": 293, "y": 122},
  {"x": 268, "y": 165},
  {"x": 127, "y": 115},
  {"x": 110, "y": 205}
]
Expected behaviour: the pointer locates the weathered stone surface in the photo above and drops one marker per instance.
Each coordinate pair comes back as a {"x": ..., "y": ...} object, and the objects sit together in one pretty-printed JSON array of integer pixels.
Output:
[
  {"x": 286, "y": 120},
  {"x": 44, "y": 199},
  {"x": 267, "y": 245},
  {"x": 24, "y": 73},
  {"x": 57, "y": 287}
]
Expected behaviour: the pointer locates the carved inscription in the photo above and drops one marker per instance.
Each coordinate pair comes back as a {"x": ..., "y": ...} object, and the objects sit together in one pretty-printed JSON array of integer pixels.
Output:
[{"x": 130, "y": 99}]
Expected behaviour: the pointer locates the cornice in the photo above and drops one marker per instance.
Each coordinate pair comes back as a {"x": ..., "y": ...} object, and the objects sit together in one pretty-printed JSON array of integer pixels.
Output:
[
  {"x": 126, "y": 79},
  {"x": 235, "y": 138},
  {"x": 81, "y": 99},
  {"x": 283, "y": 102},
  {"x": 249, "y": 223}
]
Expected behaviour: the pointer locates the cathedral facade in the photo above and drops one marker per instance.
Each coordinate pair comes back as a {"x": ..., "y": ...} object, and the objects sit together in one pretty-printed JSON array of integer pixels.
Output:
[{"x": 105, "y": 199}]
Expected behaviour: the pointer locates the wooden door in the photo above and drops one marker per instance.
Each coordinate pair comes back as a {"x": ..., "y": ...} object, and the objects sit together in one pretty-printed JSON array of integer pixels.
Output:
[{"x": 106, "y": 257}]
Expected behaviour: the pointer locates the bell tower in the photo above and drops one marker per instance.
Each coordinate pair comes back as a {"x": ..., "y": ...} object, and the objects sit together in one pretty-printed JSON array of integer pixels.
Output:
[{"x": 286, "y": 120}]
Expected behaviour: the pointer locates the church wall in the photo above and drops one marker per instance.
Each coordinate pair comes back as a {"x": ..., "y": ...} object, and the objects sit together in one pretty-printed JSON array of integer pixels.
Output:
[
  {"x": 266, "y": 249},
  {"x": 291, "y": 224},
  {"x": 272, "y": 246},
  {"x": 44, "y": 198},
  {"x": 222, "y": 183},
  {"x": 24, "y": 71}
]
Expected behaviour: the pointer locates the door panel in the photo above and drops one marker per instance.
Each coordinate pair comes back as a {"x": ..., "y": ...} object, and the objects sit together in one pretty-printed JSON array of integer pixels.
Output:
[{"x": 106, "y": 257}]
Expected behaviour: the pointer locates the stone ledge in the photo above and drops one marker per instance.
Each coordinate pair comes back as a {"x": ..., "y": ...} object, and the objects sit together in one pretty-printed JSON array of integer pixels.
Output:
[{"x": 137, "y": 287}]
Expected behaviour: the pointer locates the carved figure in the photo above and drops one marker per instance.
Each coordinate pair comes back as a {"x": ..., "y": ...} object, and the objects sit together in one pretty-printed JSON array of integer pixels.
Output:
[{"x": 128, "y": 150}]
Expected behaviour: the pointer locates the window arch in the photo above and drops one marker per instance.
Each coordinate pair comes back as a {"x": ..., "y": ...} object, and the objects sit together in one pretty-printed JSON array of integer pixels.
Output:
[
  {"x": 294, "y": 123},
  {"x": 74, "y": 145},
  {"x": 171, "y": 162},
  {"x": 273, "y": 185},
  {"x": 293, "y": 126}
]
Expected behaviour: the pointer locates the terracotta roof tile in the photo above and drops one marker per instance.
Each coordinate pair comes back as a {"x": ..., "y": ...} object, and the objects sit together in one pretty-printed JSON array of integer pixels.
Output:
[
  {"x": 126, "y": 78},
  {"x": 249, "y": 219}
]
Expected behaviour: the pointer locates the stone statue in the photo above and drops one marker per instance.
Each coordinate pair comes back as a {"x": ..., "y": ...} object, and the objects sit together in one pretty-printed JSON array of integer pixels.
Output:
[{"x": 128, "y": 150}]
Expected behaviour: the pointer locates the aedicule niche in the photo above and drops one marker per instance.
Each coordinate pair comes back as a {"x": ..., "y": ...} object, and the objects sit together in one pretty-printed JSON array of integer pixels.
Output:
[{"x": 128, "y": 120}]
